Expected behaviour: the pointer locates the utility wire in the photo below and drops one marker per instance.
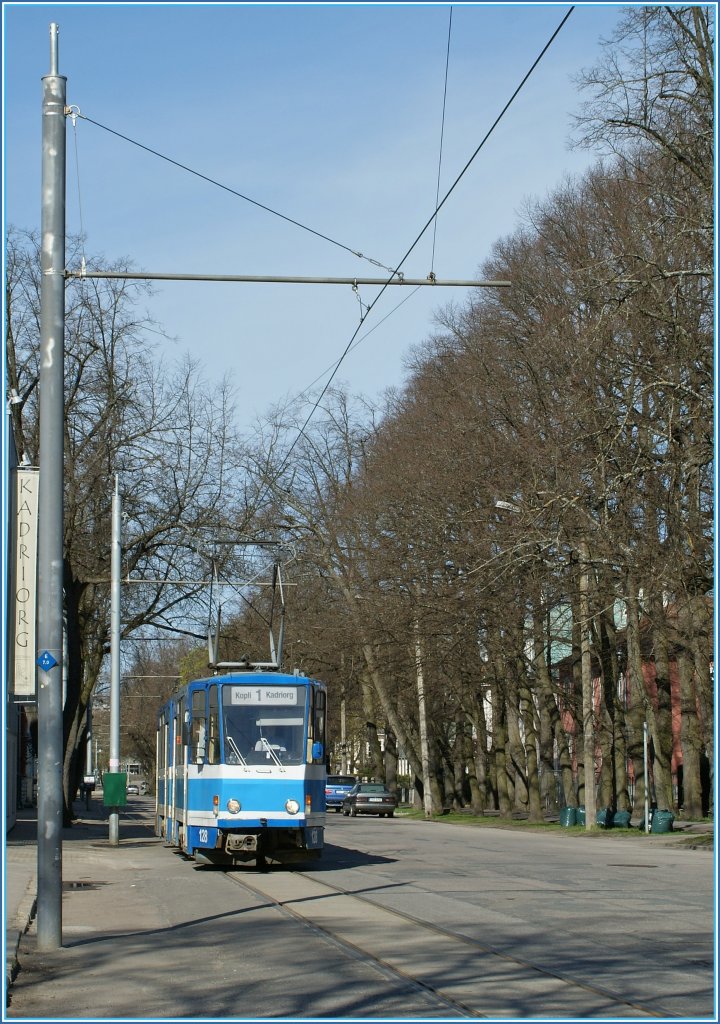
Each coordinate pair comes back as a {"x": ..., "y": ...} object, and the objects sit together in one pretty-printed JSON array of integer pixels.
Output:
[
  {"x": 442, "y": 133},
  {"x": 74, "y": 115},
  {"x": 359, "y": 340},
  {"x": 422, "y": 232},
  {"x": 333, "y": 241},
  {"x": 234, "y": 192}
]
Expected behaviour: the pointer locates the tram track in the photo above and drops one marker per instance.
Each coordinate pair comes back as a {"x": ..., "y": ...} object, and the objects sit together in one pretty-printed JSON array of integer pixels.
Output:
[
  {"x": 329, "y": 926},
  {"x": 462, "y": 973}
]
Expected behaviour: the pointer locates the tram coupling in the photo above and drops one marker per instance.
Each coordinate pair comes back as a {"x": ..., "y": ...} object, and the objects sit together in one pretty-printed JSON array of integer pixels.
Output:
[{"x": 237, "y": 843}]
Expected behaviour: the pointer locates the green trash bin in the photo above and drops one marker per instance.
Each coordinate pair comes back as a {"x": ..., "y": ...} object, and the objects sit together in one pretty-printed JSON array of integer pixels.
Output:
[
  {"x": 621, "y": 819},
  {"x": 568, "y": 817},
  {"x": 580, "y": 815},
  {"x": 605, "y": 817},
  {"x": 114, "y": 791},
  {"x": 662, "y": 821}
]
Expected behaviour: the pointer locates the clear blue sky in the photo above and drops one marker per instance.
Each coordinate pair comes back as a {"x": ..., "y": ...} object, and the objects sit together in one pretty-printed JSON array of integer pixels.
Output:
[{"x": 330, "y": 114}]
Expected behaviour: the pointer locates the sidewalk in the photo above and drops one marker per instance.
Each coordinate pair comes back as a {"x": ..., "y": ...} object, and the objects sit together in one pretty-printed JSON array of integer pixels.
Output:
[
  {"x": 20, "y": 884},
  {"x": 21, "y": 866}
]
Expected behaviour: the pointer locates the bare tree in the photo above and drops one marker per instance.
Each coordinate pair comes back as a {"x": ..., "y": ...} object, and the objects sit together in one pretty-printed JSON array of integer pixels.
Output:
[{"x": 164, "y": 431}]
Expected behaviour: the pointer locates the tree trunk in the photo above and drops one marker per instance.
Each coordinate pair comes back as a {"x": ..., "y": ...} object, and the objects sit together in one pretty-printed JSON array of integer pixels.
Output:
[
  {"x": 473, "y": 761},
  {"x": 500, "y": 742},
  {"x": 587, "y": 690},
  {"x": 689, "y": 730},
  {"x": 662, "y": 734},
  {"x": 702, "y": 652},
  {"x": 527, "y": 711},
  {"x": 422, "y": 719},
  {"x": 516, "y": 752},
  {"x": 548, "y": 713},
  {"x": 482, "y": 761},
  {"x": 391, "y": 759},
  {"x": 614, "y": 773},
  {"x": 565, "y": 764},
  {"x": 376, "y": 755},
  {"x": 638, "y": 700}
]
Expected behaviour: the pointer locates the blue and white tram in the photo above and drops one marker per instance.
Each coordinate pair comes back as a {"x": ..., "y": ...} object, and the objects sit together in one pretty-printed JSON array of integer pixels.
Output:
[{"x": 241, "y": 768}]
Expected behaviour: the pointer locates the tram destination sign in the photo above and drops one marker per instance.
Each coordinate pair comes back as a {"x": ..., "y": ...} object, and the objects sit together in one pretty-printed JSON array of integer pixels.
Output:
[{"x": 268, "y": 696}]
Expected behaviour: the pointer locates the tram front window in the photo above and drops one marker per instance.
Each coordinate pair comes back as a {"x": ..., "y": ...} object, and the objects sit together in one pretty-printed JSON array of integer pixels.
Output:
[{"x": 266, "y": 728}]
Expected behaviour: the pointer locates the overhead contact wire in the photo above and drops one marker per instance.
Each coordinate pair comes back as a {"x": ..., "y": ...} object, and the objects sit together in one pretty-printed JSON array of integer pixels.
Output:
[
  {"x": 487, "y": 135},
  {"x": 79, "y": 193},
  {"x": 447, "y": 195}
]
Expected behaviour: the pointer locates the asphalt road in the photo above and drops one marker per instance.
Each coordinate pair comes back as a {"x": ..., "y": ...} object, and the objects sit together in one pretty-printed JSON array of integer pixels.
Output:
[{"x": 630, "y": 916}]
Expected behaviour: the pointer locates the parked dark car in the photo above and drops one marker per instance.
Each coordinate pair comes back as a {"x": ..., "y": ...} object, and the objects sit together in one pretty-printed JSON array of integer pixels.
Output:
[
  {"x": 337, "y": 788},
  {"x": 369, "y": 798}
]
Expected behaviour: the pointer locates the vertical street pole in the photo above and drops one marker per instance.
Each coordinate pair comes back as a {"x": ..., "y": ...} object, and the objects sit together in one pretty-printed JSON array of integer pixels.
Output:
[
  {"x": 343, "y": 738},
  {"x": 645, "y": 776},
  {"x": 115, "y": 561},
  {"x": 343, "y": 734},
  {"x": 88, "y": 746},
  {"x": 50, "y": 511}
]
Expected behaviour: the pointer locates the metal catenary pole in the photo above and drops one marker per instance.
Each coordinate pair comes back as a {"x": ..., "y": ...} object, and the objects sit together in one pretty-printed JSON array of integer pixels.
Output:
[
  {"x": 50, "y": 535},
  {"x": 115, "y": 561}
]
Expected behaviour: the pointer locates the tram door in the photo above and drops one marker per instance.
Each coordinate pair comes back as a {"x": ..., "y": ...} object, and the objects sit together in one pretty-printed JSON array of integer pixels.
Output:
[
  {"x": 165, "y": 754},
  {"x": 172, "y": 761},
  {"x": 161, "y": 744},
  {"x": 180, "y": 760}
]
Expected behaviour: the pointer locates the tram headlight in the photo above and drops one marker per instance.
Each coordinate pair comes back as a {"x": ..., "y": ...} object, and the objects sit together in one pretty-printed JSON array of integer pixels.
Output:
[
  {"x": 233, "y": 805},
  {"x": 292, "y": 806}
]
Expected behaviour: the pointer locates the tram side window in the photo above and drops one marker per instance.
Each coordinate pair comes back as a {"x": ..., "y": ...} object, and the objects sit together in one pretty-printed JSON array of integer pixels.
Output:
[
  {"x": 181, "y": 736},
  {"x": 176, "y": 739},
  {"x": 316, "y": 727},
  {"x": 162, "y": 743},
  {"x": 159, "y": 758},
  {"x": 320, "y": 723},
  {"x": 213, "y": 726},
  {"x": 198, "y": 729}
]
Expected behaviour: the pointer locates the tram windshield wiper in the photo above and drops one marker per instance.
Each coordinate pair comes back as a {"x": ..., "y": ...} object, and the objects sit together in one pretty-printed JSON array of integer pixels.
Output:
[
  {"x": 234, "y": 747},
  {"x": 267, "y": 746}
]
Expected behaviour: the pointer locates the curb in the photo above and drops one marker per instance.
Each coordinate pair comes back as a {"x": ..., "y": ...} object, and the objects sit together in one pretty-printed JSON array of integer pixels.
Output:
[
  {"x": 23, "y": 919},
  {"x": 23, "y": 923}
]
